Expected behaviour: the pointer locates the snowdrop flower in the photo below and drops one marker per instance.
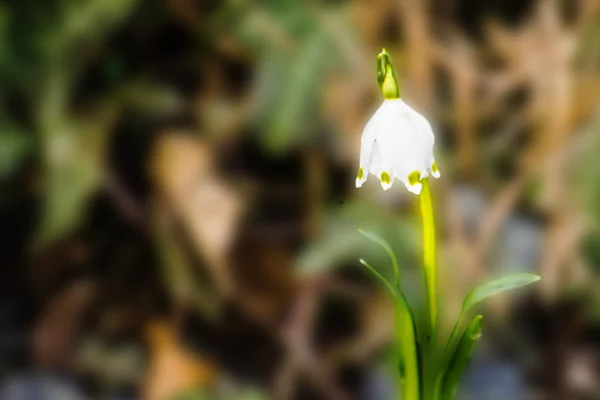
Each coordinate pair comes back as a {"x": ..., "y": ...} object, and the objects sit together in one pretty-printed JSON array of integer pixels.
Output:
[{"x": 397, "y": 142}]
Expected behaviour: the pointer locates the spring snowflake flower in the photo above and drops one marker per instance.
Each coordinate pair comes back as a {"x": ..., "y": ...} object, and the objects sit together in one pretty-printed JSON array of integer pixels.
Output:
[{"x": 397, "y": 142}]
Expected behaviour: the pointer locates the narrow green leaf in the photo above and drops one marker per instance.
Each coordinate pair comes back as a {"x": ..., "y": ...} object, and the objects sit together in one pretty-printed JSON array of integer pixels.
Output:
[
  {"x": 379, "y": 240},
  {"x": 408, "y": 351},
  {"x": 393, "y": 291},
  {"x": 406, "y": 337},
  {"x": 485, "y": 290},
  {"x": 461, "y": 358},
  {"x": 385, "y": 246},
  {"x": 488, "y": 289}
]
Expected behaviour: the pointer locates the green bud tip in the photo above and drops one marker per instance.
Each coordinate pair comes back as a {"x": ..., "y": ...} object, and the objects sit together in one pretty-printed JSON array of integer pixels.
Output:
[{"x": 386, "y": 76}]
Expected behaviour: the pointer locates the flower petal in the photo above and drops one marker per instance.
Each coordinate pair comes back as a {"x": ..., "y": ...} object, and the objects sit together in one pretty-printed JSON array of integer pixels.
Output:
[
  {"x": 387, "y": 180},
  {"x": 413, "y": 182},
  {"x": 435, "y": 171},
  {"x": 416, "y": 188},
  {"x": 397, "y": 142},
  {"x": 367, "y": 143},
  {"x": 361, "y": 177}
]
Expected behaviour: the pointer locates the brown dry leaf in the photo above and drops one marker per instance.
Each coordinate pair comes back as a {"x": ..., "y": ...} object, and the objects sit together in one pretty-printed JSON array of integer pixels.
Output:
[
  {"x": 205, "y": 205},
  {"x": 173, "y": 369},
  {"x": 55, "y": 333}
]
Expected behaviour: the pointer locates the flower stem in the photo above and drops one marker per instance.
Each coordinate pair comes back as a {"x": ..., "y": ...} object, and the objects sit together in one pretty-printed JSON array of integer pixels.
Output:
[{"x": 429, "y": 253}]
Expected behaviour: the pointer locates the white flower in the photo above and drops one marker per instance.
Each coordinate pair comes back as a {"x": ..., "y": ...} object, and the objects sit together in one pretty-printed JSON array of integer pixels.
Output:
[{"x": 397, "y": 142}]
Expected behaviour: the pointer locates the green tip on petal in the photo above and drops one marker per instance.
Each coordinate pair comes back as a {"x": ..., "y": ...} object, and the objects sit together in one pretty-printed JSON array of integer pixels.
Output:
[
  {"x": 434, "y": 167},
  {"x": 414, "y": 178},
  {"x": 361, "y": 173},
  {"x": 385, "y": 178}
]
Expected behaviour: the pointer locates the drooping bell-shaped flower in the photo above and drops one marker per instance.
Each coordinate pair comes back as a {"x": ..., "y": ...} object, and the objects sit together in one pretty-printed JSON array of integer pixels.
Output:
[{"x": 397, "y": 142}]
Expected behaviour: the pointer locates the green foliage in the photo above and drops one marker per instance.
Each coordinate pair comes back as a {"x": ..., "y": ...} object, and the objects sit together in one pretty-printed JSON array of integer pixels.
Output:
[
  {"x": 53, "y": 35},
  {"x": 394, "y": 291},
  {"x": 72, "y": 171},
  {"x": 192, "y": 395},
  {"x": 15, "y": 146},
  {"x": 460, "y": 359},
  {"x": 385, "y": 246},
  {"x": 591, "y": 249},
  {"x": 341, "y": 242},
  {"x": 491, "y": 288},
  {"x": 407, "y": 349},
  {"x": 42, "y": 58},
  {"x": 485, "y": 290},
  {"x": 585, "y": 171},
  {"x": 440, "y": 375},
  {"x": 297, "y": 94},
  {"x": 203, "y": 394},
  {"x": 296, "y": 56}
]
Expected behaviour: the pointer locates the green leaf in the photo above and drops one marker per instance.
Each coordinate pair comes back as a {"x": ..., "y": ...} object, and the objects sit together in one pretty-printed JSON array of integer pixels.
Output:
[
  {"x": 485, "y": 290},
  {"x": 72, "y": 172},
  {"x": 380, "y": 241},
  {"x": 423, "y": 330},
  {"x": 15, "y": 146},
  {"x": 296, "y": 55},
  {"x": 393, "y": 291},
  {"x": 298, "y": 92},
  {"x": 488, "y": 289},
  {"x": 340, "y": 242},
  {"x": 461, "y": 358},
  {"x": 408, "y": 354},
  {"x": 385, "y": 246}
]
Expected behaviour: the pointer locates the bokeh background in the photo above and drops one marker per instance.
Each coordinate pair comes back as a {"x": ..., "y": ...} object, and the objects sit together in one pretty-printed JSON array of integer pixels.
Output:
[{"x": 178, "y": 211}]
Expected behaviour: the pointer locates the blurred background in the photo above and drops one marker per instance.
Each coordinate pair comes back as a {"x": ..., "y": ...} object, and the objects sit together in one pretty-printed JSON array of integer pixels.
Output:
[{"x": 178, "y": 211}]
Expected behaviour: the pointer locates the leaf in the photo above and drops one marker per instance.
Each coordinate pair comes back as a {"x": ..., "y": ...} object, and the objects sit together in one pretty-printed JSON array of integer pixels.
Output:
[
  {"x": 407, "y": 338},
  {"x": 461, "y": 358},
  {"x": 208, "y": 211},
  {"x": 393, "y": 291},
  {"x": 379, "y": 240},
  {"x": 84, "y": 22},
  {"x": 15, "y": 146},
  {"x": 485, "y": 290},
  {"x": 296, "y": 56},
  {"x": 408, "y": 351},
  {"x": 384, "y": 245},
  {"x": 73, "y": 155},
  {"x": 424, "y": 332},
  {"x": 488, "y": 289},
  {"x": 340, "y": 242}
]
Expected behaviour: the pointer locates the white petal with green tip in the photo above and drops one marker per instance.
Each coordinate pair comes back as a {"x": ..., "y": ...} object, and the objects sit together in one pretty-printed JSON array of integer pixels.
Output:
[{"x": 397, "y": 143}]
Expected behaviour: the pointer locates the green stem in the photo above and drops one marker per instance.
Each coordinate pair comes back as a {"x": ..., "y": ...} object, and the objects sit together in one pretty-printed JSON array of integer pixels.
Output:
[
  {"x": 429, "y": 253},
  {"x": 410, "y": 380}
]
